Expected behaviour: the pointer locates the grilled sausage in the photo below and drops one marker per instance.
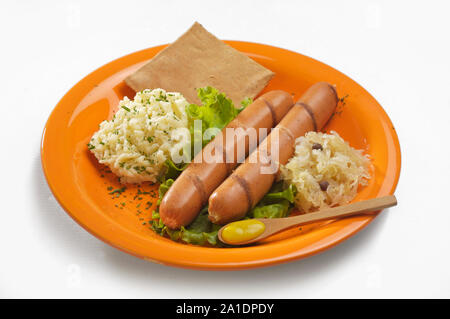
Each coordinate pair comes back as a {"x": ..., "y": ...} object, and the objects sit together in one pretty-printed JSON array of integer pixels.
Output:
[
  {"x": 243, "y": 189},
  {"x": 190, "y": 191}
]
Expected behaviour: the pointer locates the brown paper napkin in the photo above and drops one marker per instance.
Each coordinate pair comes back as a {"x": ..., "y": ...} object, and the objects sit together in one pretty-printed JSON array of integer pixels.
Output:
[{"x": 198, "y": 59}]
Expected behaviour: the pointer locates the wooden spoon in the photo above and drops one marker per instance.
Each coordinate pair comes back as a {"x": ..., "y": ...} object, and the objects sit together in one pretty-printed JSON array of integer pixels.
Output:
[{"x": 275, "y": 225}]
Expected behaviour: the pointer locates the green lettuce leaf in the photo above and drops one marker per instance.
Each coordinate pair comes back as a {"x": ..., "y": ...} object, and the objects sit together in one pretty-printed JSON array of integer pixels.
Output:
[
  {"x": 246, "y": 102},
  {"x": 276, "y": 194},
  {"x": 278, "y": 210},
  {"x": 277, "y": 203},
  {"x": 201, "y": 230},
  {"x": 163, "y": 188},
  {"x": 215, "y": 113},
  {"x": 171, "y": 170}
]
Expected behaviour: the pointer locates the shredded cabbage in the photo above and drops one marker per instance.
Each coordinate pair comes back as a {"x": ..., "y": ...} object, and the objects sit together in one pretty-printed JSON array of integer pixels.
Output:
[
  {"x": 339, "y": 167},
  {"x": 142, "y": 135}
]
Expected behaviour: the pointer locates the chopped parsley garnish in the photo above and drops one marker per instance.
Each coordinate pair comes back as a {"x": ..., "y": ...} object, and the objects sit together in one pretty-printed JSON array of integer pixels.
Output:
[
  {"x": 139, "y": 169},
  {"x": 161, "y": 97},
  {"x": 118, "y": 191}
]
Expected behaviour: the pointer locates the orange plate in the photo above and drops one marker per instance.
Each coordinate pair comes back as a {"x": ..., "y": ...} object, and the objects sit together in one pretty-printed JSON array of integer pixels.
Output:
[{"x": 80, "y": 184}]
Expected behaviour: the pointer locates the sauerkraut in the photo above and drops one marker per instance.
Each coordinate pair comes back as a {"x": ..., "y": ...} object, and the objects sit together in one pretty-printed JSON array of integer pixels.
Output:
[
  {"x": 142, "y": 135},
  {"x": 326, "y": 171}
]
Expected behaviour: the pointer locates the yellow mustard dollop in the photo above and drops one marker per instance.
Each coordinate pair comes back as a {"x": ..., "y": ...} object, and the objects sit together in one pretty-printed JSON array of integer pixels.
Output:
[{"x": 242, "y": 231}]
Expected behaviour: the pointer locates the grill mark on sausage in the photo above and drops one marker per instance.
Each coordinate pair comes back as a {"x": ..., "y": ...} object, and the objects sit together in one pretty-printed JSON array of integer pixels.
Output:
[
  {"x": 334, "y": 91},
  {"x": 238, "y": 124},
  {"x": 310, "y": 112},
  {"x": 288, "y": 132},
  {"x": 229, "y": 162},
  {"x": 272, "y": 111},
  {"x": 199, "y": 186},
  {"x": 243, "y": 183}
]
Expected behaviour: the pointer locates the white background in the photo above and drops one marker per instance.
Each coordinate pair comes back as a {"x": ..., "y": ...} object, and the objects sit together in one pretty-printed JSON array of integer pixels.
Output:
[{"x": 399, "y": 51}]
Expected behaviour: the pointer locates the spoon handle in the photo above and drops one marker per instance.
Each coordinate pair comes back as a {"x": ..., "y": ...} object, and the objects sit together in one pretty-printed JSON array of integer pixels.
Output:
[{"x": 357, "y": 208}]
